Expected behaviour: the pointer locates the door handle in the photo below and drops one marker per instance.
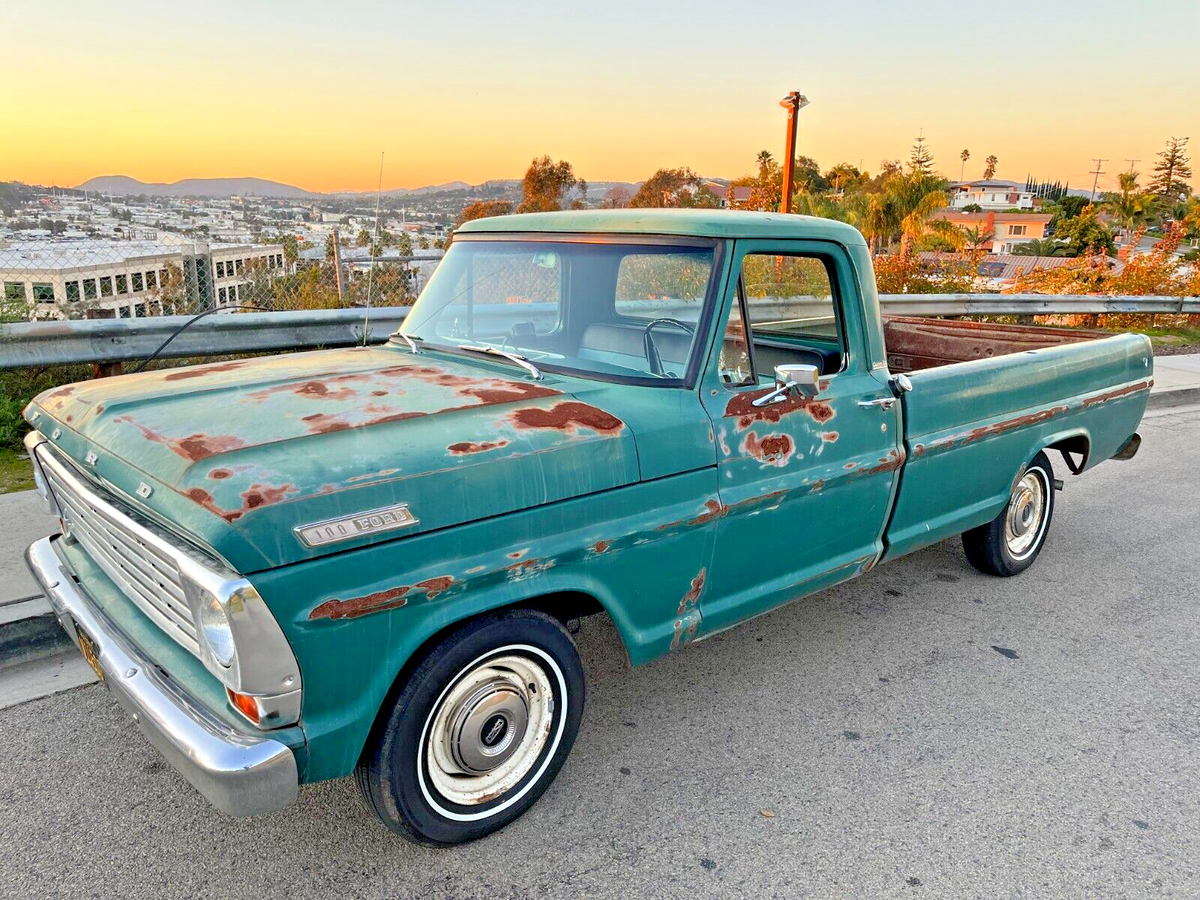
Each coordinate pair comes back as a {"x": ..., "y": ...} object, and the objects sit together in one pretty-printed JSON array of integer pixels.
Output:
[{"x": 884, "y": 403}]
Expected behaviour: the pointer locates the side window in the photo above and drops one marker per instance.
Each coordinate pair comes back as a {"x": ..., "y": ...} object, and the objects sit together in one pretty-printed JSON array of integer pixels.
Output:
[
  {"x": 792, "y": 311},
  {"x": 735, "y": 366}
]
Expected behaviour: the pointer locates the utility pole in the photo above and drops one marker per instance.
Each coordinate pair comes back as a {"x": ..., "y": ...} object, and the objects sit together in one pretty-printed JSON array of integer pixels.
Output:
[
  {"x": 793, "y": 103},
  {"x": 1131, "y": 163},
  {"x": 1097, "y": 173}
]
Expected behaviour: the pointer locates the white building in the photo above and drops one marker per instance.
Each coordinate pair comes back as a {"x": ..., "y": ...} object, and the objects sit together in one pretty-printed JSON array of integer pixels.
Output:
[
  {"x": 993, "y": 193},
  {"x": 129, "y": 277}
]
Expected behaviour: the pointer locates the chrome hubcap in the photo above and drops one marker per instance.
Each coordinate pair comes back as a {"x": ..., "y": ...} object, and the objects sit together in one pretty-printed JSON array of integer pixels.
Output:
[
  {"x": 1022, "y": 523},
  {"x": 489, "y": 729}
]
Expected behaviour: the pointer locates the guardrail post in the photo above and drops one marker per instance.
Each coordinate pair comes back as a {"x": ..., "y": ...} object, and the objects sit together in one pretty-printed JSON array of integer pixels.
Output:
[{"x": 103, "y": 369}]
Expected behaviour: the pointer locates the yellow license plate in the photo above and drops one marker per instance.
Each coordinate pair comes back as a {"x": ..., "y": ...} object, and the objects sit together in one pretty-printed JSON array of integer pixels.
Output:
[{"x": 88, "y": 649}]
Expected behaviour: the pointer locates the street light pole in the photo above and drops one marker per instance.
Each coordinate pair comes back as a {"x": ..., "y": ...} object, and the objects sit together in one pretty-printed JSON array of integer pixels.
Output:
[{"x": 793, "y": 103}]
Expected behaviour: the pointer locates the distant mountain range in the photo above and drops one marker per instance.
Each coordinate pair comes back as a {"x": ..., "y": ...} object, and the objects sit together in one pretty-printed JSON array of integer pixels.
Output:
[
  {"x": 261, "y": 187},
  {"x": 193, "y": 187}
]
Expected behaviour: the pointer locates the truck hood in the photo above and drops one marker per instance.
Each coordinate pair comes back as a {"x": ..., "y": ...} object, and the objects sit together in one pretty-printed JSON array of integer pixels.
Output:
[{"x": 239, "y": 454}]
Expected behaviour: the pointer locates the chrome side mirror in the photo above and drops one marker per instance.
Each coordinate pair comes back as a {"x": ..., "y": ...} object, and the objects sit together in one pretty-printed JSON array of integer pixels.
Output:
[{"x": 803, "y": 378}]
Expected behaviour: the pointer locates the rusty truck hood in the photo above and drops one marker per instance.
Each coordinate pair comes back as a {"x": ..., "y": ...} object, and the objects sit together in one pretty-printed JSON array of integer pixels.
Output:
[{"x": 241, "y": 453}]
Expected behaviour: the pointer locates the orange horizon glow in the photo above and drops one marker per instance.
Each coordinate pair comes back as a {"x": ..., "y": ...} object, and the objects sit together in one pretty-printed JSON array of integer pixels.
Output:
[{"x": 311, "y": 97}]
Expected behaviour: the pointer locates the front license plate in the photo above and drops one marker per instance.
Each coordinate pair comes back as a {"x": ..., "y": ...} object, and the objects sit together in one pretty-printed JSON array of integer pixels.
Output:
[{"x": 88, "y": 649}]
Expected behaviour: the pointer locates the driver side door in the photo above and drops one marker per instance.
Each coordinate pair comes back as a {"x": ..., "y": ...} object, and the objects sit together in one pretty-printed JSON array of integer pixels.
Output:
[{"x": 805, "y": 484}]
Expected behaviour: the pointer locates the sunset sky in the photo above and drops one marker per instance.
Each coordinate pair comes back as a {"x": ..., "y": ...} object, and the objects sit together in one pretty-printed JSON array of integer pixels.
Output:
[{"x": 309, "y": 94}]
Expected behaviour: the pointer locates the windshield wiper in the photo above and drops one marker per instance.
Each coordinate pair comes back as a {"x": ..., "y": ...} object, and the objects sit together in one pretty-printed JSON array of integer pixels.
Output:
[
  {"x": 513, "y": 357},
  {"x": 411, "y": 340}
]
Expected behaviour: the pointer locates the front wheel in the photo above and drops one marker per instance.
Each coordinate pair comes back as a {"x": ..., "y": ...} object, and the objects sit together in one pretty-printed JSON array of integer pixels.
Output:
[
  {"x": 478, "y": 731},
  {"x": 1010, "y": 543}
]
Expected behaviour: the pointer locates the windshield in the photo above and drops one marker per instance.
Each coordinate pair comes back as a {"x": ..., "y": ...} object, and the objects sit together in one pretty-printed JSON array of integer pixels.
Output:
[{"x": 616, "y": 310}]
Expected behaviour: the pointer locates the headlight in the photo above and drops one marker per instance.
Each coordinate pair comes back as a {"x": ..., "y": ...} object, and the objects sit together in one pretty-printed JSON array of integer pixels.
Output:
[{"x": 214, "y": 625}]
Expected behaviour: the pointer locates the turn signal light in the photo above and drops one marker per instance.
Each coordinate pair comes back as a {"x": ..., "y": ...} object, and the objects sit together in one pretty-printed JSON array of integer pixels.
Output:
[{"x": 245, "y": 704}]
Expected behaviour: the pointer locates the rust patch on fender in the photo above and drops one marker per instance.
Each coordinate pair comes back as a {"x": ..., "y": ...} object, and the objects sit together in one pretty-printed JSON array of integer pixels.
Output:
[
  {"x": 464, "y": 448},
  {"x": 201, "y": 371},
  {"x": 568, "y": 416},
  {"x": 829, "y": 437},
  {"x": 600, "y": 547},
  {"x": 741, "y": 407},
  {"x": 1119, "y": 392},
  {"x": 771, "y": 450},
  {"x": 392, "y": 598},
  {"x": 688, "y": 616},
  {"x": 220, "y": 474},
  {"x": 714, "y": 509}
]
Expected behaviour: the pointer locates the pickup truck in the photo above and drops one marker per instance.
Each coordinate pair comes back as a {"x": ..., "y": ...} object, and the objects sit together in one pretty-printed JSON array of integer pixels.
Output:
[{"x": 372, "y": 560}]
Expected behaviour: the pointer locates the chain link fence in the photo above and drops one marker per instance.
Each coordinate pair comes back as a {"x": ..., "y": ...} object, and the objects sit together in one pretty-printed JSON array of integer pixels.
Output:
[{"x": 109, "y": 260}]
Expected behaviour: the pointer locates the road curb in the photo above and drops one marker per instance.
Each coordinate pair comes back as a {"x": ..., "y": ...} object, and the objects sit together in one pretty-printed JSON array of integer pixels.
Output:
[
  {"x": 29, "y": 630},
  {"x": 1177, "y": 397}
]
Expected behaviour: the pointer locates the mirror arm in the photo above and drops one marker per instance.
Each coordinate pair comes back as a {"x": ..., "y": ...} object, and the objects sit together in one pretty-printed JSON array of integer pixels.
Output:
[{"x": 776, "y": 396}]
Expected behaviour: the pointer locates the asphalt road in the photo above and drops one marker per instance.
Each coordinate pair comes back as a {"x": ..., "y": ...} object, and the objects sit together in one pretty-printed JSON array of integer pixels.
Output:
[{"x": 925, "y": 731}]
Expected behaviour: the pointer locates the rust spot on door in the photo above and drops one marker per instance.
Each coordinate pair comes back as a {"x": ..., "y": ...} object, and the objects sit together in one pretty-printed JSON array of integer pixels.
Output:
[
  {"x": 771, "y": 450},
  {"x": 601, "y": 546},
  {"x": 741, "y": 406},
  {"x": 829, "y": 437}
]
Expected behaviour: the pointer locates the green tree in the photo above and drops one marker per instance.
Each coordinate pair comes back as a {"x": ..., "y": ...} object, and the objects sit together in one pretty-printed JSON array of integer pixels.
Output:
[
  {"x": 1172, "y": 170},
  {"x": 547, "y": 184},
  {"x": 990, "y": 166},
  {"x": 1085, "y": 233},
  {"x": 1042, "y": 247},
  {"x": 1129, "y": 206},
  {"x": 482, "y": 209},
  {"x": 673, "y": 187},
  {"x": 920, "y": 159},
  {"x": 364, "y": 237}
]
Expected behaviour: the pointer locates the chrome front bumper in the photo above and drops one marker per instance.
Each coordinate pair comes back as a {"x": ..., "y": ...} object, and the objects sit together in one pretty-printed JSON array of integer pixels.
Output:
[{"x": 238, "y": 773}]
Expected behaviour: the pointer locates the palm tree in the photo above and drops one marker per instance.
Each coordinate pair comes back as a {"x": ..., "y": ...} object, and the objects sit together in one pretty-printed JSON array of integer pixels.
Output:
[
  {"x": 964, "y": 156},
  {"x": 978, "y": 237},
  {"x": 991, "y": 162},
  {"x": 1130, "y": 205},
  {"x": 765, "y": 159},
  {"x": 1042, "y": 247}
]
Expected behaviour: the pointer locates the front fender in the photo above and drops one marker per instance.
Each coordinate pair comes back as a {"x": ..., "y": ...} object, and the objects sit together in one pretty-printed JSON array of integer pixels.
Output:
[{"x": 354, "y": 619}]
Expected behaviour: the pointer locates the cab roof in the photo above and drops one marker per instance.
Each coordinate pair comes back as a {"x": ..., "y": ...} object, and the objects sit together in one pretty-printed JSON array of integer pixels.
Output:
[{"x": 709, "y": 223}]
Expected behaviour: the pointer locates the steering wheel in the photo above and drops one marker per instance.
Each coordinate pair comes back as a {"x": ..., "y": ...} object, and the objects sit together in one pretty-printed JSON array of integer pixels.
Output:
[{"x": 652, "y": 356}]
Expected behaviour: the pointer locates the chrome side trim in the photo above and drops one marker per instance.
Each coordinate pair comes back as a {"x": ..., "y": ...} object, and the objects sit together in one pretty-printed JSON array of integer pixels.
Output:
[{"x": 241, "y": 774}]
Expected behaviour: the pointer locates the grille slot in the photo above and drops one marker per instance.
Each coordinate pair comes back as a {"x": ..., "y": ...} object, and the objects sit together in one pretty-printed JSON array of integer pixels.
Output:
[{"x": 143, "y": 572}]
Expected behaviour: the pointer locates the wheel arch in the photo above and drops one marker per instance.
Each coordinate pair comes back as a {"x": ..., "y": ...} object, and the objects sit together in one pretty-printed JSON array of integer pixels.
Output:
[
  {"x": 561, "y": 603},
  {"x": 1072, "y": 441}
]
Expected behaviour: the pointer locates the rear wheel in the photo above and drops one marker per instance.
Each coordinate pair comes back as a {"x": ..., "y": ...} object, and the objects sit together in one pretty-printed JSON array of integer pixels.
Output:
[
  {"x": 1010, "y": 543},
  {"x": 478, "y": 731}
]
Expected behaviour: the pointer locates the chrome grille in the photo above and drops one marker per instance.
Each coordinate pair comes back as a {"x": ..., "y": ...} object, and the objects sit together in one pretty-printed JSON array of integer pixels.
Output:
[{"x": 114, "y": 540}]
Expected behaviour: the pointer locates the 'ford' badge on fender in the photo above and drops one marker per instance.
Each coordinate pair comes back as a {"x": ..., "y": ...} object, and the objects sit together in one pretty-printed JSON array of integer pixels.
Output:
[{"x": 348, "y": 527}]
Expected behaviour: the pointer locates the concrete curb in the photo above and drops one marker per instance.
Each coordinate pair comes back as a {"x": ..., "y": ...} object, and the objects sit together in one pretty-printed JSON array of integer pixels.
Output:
[
  {"x": 29, "y": 630},
  {"x": 1177, "y": 397}
]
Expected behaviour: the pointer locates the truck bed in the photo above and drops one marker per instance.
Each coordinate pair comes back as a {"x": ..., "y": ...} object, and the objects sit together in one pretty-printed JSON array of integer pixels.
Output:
[{"x": 915, "y": 343}]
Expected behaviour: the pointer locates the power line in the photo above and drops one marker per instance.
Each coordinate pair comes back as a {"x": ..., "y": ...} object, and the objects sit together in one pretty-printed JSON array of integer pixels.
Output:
[
  {"x": 1098, "y": 172},
  {"x": 1131, "y": 162}
]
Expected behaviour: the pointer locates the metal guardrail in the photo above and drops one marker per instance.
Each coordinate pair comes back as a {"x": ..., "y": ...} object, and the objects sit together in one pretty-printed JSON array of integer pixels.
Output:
[{"x": 49, "y": 343}]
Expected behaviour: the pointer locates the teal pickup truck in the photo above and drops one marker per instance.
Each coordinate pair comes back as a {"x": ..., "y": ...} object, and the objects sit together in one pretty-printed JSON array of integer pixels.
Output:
[{"x": 371, "y": 560}]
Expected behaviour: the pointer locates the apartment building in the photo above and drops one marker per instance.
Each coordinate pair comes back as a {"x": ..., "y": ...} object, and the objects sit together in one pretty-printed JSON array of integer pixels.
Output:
[{"x": 1003, "y": 231}]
